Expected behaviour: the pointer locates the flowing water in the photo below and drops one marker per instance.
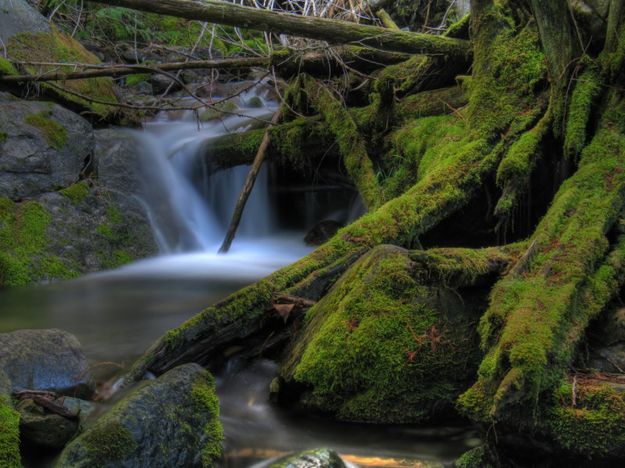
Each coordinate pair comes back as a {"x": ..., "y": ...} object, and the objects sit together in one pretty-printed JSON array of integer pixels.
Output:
[{"x": 116, "y": 315}]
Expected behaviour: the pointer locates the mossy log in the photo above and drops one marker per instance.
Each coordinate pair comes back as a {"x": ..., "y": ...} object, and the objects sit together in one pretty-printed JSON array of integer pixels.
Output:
[
  {"x": 351, "y": 145},
  {"x": 331, "y": 30}
]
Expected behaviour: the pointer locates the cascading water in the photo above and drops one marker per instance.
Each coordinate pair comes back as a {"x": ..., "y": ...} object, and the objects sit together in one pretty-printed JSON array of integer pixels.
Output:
[{"x": 191, "y": 215}]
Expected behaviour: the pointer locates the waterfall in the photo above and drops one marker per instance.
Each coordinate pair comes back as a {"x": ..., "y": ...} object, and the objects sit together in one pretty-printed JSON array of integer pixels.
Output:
[{"x": 189, "y": 209}]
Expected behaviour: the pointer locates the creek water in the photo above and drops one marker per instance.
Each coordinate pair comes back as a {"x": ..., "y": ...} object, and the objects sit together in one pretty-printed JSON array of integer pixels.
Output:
[{"x": 116, "y": 315}]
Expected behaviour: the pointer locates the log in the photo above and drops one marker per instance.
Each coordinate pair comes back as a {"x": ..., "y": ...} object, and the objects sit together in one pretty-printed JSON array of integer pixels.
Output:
[
  {"x": 287, "y": 64},
  {"x": 324, "y": 29},
  {"x": 249, "y": 185}
]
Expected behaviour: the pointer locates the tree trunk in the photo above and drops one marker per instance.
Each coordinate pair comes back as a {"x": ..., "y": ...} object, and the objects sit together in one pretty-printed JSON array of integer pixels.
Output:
[{"x": 333, "y": 31}]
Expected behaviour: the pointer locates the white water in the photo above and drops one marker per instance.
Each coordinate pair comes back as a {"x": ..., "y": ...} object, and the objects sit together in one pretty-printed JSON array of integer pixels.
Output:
[{"x": 189, "y": 204}]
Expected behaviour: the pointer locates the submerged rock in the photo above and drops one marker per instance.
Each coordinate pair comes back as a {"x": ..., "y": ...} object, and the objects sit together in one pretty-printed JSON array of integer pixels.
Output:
[
  {"x": 45, "y": 428},
  {"x": 322, "y": 231},
  {"x": 317, "y": 458},
  {"x": 45, "y": 360},
  {"x": 172, "y": 421}
]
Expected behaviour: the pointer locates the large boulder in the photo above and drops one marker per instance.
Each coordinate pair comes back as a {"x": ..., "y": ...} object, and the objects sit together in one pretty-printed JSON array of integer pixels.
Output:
[
  {"x": 172, "y": 421},
  {"x": 316, "y": 458},
  {"x": 43, "y": 147},
  {"x": 385, "y": 345},
  {"x": 44, "y": 360},
  {"x": 17, "y": 16}
]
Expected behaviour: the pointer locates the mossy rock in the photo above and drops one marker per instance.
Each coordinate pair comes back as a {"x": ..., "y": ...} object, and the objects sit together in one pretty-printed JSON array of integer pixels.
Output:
[
  {"x": 54, "y": 46},
  {"x": 384, "y": 346},
  {"x": 171, "y": 421}
]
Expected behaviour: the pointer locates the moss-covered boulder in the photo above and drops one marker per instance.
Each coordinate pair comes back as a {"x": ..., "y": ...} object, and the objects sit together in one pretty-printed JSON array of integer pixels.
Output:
[
  {"x": 43, "y": 147},
  {"x": 172, "y": 421},
  {"x": 44, "y": 360},
  {"x": 392, "y": 341},
  {"x": 316, "y": 458}
]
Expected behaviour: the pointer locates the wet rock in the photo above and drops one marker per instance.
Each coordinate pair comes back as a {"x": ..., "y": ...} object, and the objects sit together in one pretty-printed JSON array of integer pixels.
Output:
[
  {"x": 160, "y": 84},
  {"x": 42, "y": 427},
  {"x": 317, "y": 458},
  {"x": 45, "y": 360},
  {"x": 17, "y": 16},
  {"x": 44, "y": 147},
  {"x": 607, "y": 342},
  {"x": 172, "y": 421},
  {"x": 322, "y": 231}
]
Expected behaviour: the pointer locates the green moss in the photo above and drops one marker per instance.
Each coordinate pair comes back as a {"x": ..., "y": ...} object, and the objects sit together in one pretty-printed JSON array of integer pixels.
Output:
[
  {"x": 57, "y": 47},
  {"x": 54, "y": 133},
  {"x": 76, "y": 192},
  {"x": 109, "y": 441},
  {"x": 9, "y": 435},
  {"x": 474, "y": 458},
  {"x": 378, "y": 348},
  {"x": 6, "y": 67},
  {"x": 23, "y": 244},
  {"x": 585, "y": 94},
  {"x": 593, "y": 425},
  {"x": 134, "y": 80},
  {"x": 508, "y": 68},
  {"x": 3, "y": 136},
  {"x": 206, "y": 401}
]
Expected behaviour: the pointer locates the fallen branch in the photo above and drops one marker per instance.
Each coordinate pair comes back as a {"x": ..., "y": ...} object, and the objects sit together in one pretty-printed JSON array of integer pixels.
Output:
[
  {"x": 333, "y": 31},
  {"x": 249, "y": 185}
]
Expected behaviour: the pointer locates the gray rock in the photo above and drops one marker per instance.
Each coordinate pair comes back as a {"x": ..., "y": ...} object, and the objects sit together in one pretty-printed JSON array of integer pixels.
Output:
[
  {"x": 44, "y": 360},
  {"x": 41, "y": 427},
  {"x": 43, "y": 147},
  {"x": 322, "y": 231},
  {"x": 609, "y": 358},
  {"x": 172, "y": 421},
  {"x": 160, "y": 84},
  {"x": 317, "y": 458},
  {"x": 17, "y": 16},
  {"x": 607, "y": 341}
]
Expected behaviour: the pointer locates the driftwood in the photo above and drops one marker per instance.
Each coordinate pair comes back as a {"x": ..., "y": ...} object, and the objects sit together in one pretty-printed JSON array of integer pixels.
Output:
[
  {"x": 331, "y": 30},
  {"x": 249, "y": 185}
]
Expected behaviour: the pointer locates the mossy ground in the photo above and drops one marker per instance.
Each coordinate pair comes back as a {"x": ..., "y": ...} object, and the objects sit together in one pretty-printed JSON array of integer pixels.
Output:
[{"x": 23, "y": 245}]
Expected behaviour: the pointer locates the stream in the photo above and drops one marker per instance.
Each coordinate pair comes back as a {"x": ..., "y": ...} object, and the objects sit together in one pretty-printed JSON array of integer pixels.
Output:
[{"x": 117, "y": 315}]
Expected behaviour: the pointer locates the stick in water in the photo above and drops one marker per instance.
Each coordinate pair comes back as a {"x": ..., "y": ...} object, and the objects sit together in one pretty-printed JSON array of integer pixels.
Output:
[{"x": 249, "y": 185}]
